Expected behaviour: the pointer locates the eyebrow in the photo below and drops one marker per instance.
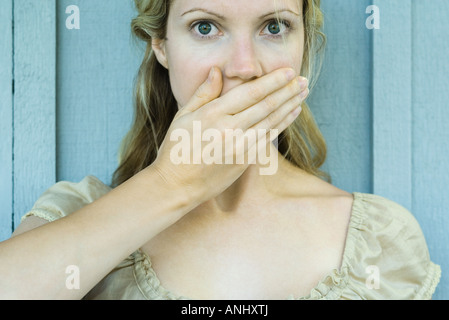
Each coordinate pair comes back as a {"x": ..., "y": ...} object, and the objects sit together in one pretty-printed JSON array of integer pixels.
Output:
[{"x": 223, "y": 18}]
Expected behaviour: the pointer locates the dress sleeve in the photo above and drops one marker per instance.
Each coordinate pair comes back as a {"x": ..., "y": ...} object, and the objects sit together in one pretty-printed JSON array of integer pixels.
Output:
[
  {"x": 389, "y": 255},
  {"x": 66, "y": 197}
]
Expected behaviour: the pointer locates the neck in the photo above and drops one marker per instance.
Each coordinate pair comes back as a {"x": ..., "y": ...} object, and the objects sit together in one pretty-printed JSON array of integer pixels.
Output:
[{"x": 260, "y": 182}]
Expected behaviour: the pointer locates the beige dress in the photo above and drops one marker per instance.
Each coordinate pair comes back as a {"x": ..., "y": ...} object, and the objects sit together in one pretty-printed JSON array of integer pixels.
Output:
[{"x": 385, "y": 255}]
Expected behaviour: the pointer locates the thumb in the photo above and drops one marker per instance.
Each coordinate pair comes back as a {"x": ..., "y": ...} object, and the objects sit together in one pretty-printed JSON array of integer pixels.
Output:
[{"x": 208, "y": 91}]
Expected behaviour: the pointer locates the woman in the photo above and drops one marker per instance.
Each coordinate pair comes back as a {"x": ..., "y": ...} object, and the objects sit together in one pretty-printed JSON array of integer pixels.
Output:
[{"x": 174, "y": 229}]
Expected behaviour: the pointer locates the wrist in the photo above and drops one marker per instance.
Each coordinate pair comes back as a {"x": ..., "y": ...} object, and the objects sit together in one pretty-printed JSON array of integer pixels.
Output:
[{"x": 183, "y": 195}]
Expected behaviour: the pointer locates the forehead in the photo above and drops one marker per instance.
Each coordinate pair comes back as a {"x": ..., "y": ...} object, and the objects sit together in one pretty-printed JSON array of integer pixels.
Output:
[{"x": 236, "y": 7}]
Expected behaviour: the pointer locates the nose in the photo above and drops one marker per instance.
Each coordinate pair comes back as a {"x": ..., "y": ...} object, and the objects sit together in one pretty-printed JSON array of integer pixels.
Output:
[{"x": 243, "y": 62}]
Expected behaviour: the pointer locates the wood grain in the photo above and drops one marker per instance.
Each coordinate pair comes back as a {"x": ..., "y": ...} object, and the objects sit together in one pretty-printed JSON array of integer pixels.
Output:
[
  {"x": 6, "y": 122},
  {"x": 34, "y": 101},
  {"x": 430, "y": 130}
]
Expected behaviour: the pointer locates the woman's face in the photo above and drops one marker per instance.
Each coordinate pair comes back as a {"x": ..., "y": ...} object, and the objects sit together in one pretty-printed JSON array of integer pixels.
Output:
[{"x": 241, "y": 37}]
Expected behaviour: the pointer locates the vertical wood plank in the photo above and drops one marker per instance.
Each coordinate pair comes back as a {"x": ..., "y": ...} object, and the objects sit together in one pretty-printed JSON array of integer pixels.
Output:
[
  {"x": 392, "y": 112},
  {"x": 341, "y": 101},
  {"x": 430, "y": 130},
  {"x": 34, "y": 101},
  {"x": 6, "y": 128},
  {"x": 96, "y": 67}
]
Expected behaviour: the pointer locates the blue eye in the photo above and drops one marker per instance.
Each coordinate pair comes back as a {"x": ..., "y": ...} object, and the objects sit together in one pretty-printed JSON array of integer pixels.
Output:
[
  {"x": 207, "y": 30},
  {"x": 204, "y": 28},
  {"x": 274, "y": 28}
]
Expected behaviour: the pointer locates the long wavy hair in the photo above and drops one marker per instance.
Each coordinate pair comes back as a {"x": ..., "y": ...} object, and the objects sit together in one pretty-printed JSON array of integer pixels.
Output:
[{"x": 155, "y": 107}]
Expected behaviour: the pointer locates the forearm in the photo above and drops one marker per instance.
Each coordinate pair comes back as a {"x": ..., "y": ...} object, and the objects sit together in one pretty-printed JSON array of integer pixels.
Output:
[{"x": 95, "y": 239}]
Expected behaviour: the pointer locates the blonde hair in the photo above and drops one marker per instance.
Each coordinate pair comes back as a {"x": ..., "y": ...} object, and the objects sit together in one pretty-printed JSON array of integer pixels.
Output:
[{"x": 155, "y": 106}]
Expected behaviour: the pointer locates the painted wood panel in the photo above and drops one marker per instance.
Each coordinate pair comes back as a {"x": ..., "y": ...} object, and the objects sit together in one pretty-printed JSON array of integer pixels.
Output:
[
  {"x": 34, "y": 101},
  {"x": 6, "y": 122},
  {"x": 341, "y": 102},
  {"x": 381, "y": 103},
  {"x": 430, "y": 130},
  {"x": 392, "y": 104},
  {"x": 96, "y": 67}
]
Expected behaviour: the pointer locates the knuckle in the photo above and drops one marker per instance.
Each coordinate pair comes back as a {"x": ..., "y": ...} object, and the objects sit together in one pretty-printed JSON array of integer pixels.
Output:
[
  {"x": 270, "y": 103},
  {"x": 294, "y": 87},
  {"x": 255, "y": 92},
  {"x": 272, "y": 120},
  {"x": 305, "y": 93},
  {"x": 201, "y": 93},
  {"x": 297, "y": 100}
]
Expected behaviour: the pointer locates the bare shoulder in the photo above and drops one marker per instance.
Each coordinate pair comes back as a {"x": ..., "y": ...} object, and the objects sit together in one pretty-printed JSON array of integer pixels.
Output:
[
  {"x": 320, "y": 214},
  {"x": 335, "y": 204},
  {"x": 325, "y": 209},
  {"x": 340, "y": 200},
  {"x": 312, "y": 192}
]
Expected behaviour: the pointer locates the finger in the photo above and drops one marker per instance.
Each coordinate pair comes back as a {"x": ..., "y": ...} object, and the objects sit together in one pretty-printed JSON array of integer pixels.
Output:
[
  {"x": 208, "y": 91},
  {"x": 250, "y": 144},
  {"x": 283, "y": 113},
  {"x": 257, "y": 138},
  {"x": 248, "y": 94},
  {"x": 287, "y": 121},
  {"x": 266, "y": 137},
  {"x": 269, "y": 106}
]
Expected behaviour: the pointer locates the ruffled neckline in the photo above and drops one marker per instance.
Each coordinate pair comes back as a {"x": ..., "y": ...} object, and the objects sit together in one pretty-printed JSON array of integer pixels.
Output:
[{"x": 330, "y": 287}]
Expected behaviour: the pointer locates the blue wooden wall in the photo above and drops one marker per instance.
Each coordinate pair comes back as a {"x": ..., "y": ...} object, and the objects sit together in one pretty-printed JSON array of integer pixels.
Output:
[{"x": 381, "y": 103}]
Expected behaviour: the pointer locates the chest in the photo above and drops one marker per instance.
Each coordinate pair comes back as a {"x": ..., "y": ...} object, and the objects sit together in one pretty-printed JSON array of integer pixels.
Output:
[{"x": 264, "y": 256}]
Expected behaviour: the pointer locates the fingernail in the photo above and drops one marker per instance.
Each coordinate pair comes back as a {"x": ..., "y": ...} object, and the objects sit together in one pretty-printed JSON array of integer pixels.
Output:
[
  {"x": 303, "y": 82},
  {"x": 304, "y": 93},
  {"x": 211, "y": 74}
]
